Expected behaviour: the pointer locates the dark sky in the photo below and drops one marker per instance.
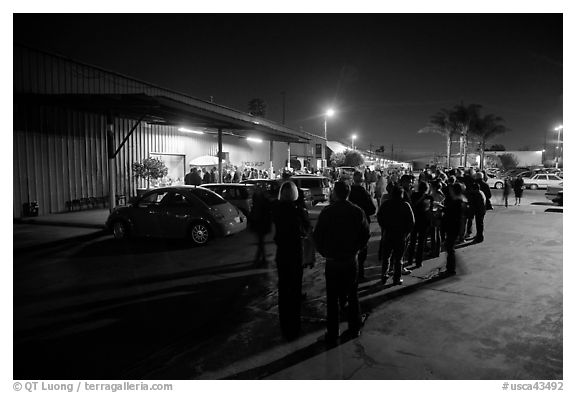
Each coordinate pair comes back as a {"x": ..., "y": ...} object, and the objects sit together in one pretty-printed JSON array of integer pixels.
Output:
[{"x": 385, "y": 74}]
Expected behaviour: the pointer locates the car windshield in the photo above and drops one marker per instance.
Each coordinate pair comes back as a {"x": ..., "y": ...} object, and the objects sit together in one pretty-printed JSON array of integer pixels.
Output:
[{"x": 208, "y": 197}]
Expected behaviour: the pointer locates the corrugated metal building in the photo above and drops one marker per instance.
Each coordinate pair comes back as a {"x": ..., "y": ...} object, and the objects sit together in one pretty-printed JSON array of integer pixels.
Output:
[{"x": 61, "y": 111}]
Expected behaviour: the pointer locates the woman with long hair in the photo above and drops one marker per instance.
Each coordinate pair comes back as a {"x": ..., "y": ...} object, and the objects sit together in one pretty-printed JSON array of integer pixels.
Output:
[{"x": 292, "y": 224}]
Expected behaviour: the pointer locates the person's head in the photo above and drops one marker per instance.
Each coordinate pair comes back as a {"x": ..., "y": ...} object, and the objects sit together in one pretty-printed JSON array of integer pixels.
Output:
[
  {"x": 455, "y": 190},
  {"x": 288, "y": 192},
  {"x": 479, "y": 176},
  {"x": 213, "y": 169},
  {"x": 452, "y": 179},
  {"x": 192, "y": 169},
  {"x": 341, "y": 191},
  {"x": 406, "y": 181},
  {"x": 397, "y": 193},
  {"x": 357, "y": 177},
  {"x": 423, "y": 187}
]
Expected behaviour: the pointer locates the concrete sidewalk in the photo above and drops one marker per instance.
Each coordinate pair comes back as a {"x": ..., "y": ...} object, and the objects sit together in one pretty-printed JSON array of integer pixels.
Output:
[{"x": 33, "y": 233}]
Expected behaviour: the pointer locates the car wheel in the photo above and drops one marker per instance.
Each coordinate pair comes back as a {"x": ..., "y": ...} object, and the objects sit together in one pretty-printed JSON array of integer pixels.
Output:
[
  {"x": 120, "y": 230},
  {"x": 199, "y": 233},
  {"x": 498, "y": 185},
  {"x": 533, "y": 186}
]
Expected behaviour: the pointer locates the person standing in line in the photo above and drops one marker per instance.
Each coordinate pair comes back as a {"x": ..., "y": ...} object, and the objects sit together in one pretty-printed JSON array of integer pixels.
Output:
[
  {"x": 379, "y": 189},
  {"x": 193, "y": 178},
  {"x": 341, "y": 231},
  {"x": 452, "y": 222},
  {"x": 477, "y": 210},
  {"x": 214, "y": 175},
  {"x": 485, "y": 188},
  {"x": 361, "y": 198},
  {"x": 506, "y": 190},
  {"x": 292, "y": 224},
  {"x": 421, "y": 206},
  {"x": 260, "y": 222},
  {"x": 396, "y": 221},
  {"x": 437, "y": 208},
  {"x": 518, "y": 189},
  {"x": 206, "y": 177}
]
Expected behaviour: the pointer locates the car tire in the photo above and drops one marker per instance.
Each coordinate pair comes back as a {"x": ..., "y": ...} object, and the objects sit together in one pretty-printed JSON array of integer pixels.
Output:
[
  {"x": 498, "y": 185},
  {"x": 533, "y": 186},
  {"x": 120, "y": 230},
  {"x": 199, "y": 233}
]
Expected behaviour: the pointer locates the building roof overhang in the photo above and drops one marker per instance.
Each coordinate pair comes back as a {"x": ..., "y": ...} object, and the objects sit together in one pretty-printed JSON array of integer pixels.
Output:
[{"x": 167, "y": 111}]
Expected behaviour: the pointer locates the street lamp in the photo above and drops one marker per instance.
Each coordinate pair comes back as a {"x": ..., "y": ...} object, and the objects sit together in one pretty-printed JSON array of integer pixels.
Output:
[
  {"x": 353, "y": 138},
  {"x": 559, "y": 129},
  {"x": 329, "y": 113}
]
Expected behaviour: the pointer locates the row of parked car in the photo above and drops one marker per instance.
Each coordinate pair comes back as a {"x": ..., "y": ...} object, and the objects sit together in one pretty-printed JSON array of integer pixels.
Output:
[
  {"x": 534, "y": 179},
  {"x": 203, "y": 212}
]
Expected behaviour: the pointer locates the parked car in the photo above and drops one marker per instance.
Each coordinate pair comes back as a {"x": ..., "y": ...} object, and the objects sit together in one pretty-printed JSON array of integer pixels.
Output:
[
  {"x": 271, "y": 188},
  {"x": 178, "y": 211},
  {"x": 319, "y": 186},
  {"x": 495, "y": 181},
  {"x": 556, "y": 194},
  {"x": 542, "y": 180},
  {"x": 240, "y": 195}
]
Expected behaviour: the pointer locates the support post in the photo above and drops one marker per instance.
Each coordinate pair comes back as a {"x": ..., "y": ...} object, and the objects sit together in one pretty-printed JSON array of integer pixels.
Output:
[
  {"x": 271, "y": 159},
  {"x": 219, "y": 155},
  {"x": 111, "y": 161},
  {"x": 288, "y": 155}
]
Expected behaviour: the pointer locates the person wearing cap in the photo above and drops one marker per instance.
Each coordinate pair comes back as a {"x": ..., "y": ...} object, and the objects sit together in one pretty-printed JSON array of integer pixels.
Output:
[
  {"x": 341, "y": 231},
  {"x": 292, "y": 224}
]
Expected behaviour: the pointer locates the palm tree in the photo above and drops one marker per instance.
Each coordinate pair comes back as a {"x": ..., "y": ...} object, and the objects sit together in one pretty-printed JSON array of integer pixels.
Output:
[
  {"x": 486, "y": 128},
  {"x": 466, "y": 118},
  {"x": 443, "y": 123}
]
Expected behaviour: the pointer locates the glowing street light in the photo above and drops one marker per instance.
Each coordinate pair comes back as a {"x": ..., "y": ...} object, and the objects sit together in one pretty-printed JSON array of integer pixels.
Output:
[
  {"x": 329, "y": 113},
  {"x": 353, "y": 139}
]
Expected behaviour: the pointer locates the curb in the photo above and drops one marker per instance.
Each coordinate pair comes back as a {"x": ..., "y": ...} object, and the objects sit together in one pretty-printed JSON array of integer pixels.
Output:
[{"x": 62, "y": 242}]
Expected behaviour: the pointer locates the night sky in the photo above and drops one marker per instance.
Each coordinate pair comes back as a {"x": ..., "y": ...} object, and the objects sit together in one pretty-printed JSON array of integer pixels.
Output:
[{"x": 384, "y": 74}]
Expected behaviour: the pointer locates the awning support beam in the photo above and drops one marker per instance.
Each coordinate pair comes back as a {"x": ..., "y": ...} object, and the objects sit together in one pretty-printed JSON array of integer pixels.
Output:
[{"x": 129, "y": 134}]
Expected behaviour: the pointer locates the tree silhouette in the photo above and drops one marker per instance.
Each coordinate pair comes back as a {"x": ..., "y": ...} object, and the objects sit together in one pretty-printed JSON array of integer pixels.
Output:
[{"x": 257, "y": 107}]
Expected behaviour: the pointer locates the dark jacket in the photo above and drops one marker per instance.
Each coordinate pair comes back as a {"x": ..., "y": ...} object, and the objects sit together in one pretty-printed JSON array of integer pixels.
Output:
[
  {"x": 342, "y": 230},
  {"x": 291, "y": 222},
  {"x": 422, "y": 208},
  {"x": 485, "y": 188},
  {"x": 361, "y": 198},
  {"x": 396, "y": 216},
  {"x": 206, "y": 179},
  {"x": 192, "y": 179},
  {"x": 454, "y": 210}
]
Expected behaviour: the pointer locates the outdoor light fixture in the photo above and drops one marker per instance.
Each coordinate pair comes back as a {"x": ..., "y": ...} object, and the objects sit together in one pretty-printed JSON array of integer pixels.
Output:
[
  {"x": 257, "y": 140},
  {"x": 330, "y": 112},
  {"x": 353, "y": 138},
  {"x": 190, "y": 131}
]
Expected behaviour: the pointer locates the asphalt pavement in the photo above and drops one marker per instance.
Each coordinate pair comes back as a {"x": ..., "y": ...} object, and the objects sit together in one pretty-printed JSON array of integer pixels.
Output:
[{"x": 91, "y": 308}]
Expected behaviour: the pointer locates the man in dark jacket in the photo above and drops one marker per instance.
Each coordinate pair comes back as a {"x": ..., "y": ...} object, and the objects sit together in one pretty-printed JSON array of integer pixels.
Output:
[
  {"x": 193, "y": 178},
  {"x": 342, "y": 230},
  {"x": 452, "y": 222},
  {"x": 421, "y": 206},
  {"x": 396, "y": 221},
  {"x": 485, "y": 188},
  {"x": 476, "y": 211},
  {"x": 361, "y": 198}
]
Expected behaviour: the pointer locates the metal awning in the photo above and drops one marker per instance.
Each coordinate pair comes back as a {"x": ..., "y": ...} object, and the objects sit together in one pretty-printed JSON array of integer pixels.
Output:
[{"x": 171, "y": 112}]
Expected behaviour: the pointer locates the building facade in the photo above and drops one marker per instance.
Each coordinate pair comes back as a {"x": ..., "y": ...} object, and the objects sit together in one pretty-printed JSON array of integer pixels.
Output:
[{"x": 69, "y": 116}]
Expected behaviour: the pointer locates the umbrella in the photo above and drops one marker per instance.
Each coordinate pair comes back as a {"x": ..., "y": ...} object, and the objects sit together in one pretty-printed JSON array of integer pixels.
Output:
[{"x": 205, "y": 160}]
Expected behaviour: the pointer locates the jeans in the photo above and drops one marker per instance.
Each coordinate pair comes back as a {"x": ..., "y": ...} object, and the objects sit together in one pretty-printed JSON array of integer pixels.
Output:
[
  {"x": 393, "y": 244},
  {"x": 342, "y": 283}
]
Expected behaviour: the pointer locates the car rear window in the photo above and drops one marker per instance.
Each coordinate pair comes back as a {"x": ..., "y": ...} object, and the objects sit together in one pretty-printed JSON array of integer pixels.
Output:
[
  {"x": 310, "y": 183},
  {"x": 208, "y": 197}
]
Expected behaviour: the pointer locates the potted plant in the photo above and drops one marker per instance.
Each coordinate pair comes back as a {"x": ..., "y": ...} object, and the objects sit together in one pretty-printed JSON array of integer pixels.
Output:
[{"x": 149, "y": 169}]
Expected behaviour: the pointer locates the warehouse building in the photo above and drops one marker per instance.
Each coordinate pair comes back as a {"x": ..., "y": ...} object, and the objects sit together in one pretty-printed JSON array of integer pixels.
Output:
[{"x": 78, "y": 129}]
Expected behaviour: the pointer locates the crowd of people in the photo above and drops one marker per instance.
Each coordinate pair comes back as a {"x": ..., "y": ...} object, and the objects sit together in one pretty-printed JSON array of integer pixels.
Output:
[{"x": 429, "y": 213}]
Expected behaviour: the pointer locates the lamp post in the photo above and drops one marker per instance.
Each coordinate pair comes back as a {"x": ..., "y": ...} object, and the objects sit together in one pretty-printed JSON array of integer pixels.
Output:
[
  {"x": 559, "y": 129},
  {"x": 329, "y": 113},
  {"x": 353, "y": 139}
]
